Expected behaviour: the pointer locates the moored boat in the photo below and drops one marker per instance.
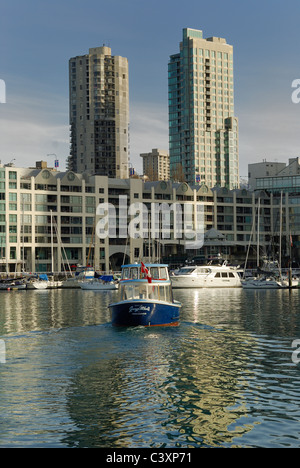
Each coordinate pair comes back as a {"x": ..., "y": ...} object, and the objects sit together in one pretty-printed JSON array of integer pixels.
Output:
[
  {"x": 207, "y": 276},
  {"x": 82, "y": 273},
  {"x": 145, "y": 297},
  {"x": 104, "y": 283},
  {"x": 269, "y": 282},
  {"x": 40, "y": 283},
  {"x": 9, "y": 284}
]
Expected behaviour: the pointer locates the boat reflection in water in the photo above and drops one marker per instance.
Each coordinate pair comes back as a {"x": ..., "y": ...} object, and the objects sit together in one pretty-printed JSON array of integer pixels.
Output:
[{"x": 145, "y": 297}]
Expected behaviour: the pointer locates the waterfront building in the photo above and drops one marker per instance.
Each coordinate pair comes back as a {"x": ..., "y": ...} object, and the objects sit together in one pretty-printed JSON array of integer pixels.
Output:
[
  {"x": 50, "y": 219},
  {"x": 263, "y": 169},
  {"x": 203, "y": 131},
  {"x": 275, "y": 177},
  {"x": 156, "y": 165},
  {"x": 99, "y": 113}
]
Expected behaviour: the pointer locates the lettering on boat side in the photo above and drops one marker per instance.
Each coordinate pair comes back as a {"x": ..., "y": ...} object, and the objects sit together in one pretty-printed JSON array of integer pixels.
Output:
[
  {"x": 139, "y": 309},
  {"x": 296, "y": 353},
  {"x": 2, "y": 92},
  {"x": 2, "y": 352}
]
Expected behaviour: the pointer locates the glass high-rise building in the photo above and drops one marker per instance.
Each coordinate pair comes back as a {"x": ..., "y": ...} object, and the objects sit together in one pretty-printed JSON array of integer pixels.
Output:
[
  {"x": 99, "y": 113},
  {"x": 203, "y": 131}
]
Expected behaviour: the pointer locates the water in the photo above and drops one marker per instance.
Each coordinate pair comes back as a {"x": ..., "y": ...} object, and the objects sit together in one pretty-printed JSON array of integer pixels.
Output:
[{"x": 223, "y": 378}]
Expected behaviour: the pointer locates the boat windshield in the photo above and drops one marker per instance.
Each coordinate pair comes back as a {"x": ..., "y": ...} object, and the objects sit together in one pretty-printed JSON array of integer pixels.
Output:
[
  {"x": 135, "y": 291},
  {"x": 135, "y": 273},
  {"x": 186, "y": 271}
]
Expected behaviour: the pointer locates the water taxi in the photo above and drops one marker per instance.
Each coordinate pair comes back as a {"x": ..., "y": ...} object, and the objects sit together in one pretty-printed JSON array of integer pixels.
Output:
[{"x": 145, "y": 297}]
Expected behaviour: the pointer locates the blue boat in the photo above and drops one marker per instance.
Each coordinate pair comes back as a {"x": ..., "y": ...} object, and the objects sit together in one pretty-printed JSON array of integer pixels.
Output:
[{"x": 145, "y": 297}]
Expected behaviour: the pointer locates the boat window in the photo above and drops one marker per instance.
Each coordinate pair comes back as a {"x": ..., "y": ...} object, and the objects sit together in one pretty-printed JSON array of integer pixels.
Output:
[
  {"x": 142, "y": 275},
  {"x": 163, "y": 273},
  {"x": 161, "y": 293},
  {"x": 134, "y": 273},
  {"x": 165, "y": 293},
  {"x": 231, "y": 275},
  {"x": 186, "y": 271},
  {"x": 224, "y": 275},
  {"x": 218, "y": 275},
  {"x": 153, "y": 292},
  {"x": 125, "y": 273},
  {"x": 129, "y": 291},
  {"x": 122, "y": 292},
  {"x": 142, "y": 291},
  {"x": 132, "y": 291},
  {"x": 154, "y": 272}
]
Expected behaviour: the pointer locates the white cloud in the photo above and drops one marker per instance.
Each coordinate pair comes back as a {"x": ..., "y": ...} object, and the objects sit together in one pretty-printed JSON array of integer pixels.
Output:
[{"x": 32, "y": 127}]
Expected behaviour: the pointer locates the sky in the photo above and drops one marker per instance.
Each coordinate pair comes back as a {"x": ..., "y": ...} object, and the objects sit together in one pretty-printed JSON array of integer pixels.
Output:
[{"x": 38, "y": 37}]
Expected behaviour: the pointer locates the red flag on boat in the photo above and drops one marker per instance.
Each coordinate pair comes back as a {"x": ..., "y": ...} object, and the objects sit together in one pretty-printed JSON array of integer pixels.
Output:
[
  {"x": 291, "y": 240},
  {"x": 145, "y": 270}
]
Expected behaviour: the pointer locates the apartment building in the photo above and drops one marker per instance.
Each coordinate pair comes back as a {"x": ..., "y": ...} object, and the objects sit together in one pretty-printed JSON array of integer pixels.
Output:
[
  {"x": 203, "y": 131},
  {"x": 99, "y": 113},
  {"x": 51, "y": 220},
  {"x": 156, "y": 164}
]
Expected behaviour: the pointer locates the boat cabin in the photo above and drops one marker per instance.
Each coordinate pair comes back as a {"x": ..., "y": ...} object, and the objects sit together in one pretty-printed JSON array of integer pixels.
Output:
[
  {"x": 134, "y": 272},
  {"x": 193, "y": 270},
  {"x": 134, "y": 284},
  {"x": 145, "y": 291}
]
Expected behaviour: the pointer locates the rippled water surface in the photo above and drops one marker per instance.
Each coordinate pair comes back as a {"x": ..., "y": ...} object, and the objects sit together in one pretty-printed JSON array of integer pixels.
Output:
[{"x": 223, "y": 378}]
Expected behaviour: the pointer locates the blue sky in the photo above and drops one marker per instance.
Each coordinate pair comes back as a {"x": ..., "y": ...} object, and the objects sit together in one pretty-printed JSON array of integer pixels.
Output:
[{"x": 37, "y": 38}]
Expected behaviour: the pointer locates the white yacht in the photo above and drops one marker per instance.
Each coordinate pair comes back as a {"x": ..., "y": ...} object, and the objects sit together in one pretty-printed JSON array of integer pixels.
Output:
[{"x": 207, "y": 276}]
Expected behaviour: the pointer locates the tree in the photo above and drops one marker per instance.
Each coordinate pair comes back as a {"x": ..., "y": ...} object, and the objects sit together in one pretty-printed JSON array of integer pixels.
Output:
[{"x": 177, "y": 173}]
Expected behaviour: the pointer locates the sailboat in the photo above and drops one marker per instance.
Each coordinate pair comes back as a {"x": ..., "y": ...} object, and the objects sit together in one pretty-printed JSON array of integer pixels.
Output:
[
  {"x": 83, "y": 273},
  {"x": 52, "y": 283},
  {"x": 103, "y": 283},
  {"x": 40, "y": 282},
  {"x": 270, "y": 280}
]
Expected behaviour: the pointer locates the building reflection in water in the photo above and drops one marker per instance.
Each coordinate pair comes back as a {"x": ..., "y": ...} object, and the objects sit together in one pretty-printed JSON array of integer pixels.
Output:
[{"x": 189, "y": 386}]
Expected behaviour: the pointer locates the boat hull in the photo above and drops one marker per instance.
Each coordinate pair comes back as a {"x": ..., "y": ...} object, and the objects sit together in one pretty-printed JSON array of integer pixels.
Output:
[
  {"x": 37, "y": 285},
  {"x": 145, "y": 313},
  {"x": 272, "y": 284},
  {"x": 96, "y": 286},
  {"x": 191, "y": 282},
  {"x": 12, "y": 287},
  {"x": 260, "y": 285}
]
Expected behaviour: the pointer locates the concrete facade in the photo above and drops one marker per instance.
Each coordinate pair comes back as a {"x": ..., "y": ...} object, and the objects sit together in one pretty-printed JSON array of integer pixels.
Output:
[
  {"x": 156, "y": 165},
  {"x": 99, "y": 113},
  {"x": 38, "y": 206}
]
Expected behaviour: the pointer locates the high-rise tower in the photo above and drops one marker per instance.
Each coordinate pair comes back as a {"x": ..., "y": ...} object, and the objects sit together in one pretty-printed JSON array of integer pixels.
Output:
[
  {"x": 203, "y": 132},
  {"x": 99, "y": 113}
]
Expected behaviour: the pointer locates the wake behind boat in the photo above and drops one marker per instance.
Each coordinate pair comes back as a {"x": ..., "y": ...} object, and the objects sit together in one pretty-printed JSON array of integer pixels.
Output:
[{"x": 145, "y": 297}]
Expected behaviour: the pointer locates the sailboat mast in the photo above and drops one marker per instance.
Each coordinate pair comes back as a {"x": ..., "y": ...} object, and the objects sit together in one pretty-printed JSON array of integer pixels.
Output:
[
  {"x": 258, "y": 227},
  {"x": 52, "y": 248},
  {"x": 280, "y": 234}
]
